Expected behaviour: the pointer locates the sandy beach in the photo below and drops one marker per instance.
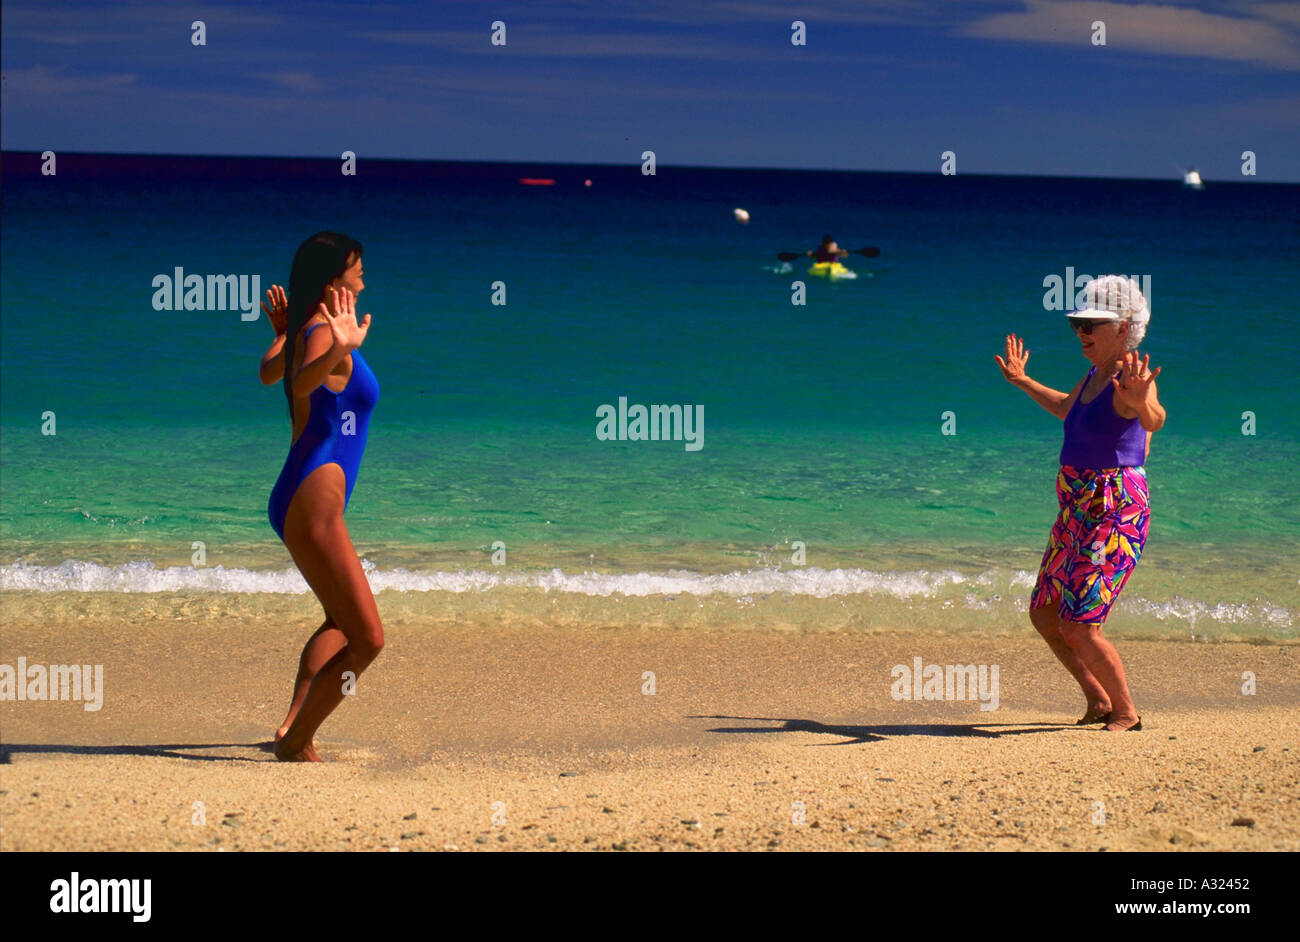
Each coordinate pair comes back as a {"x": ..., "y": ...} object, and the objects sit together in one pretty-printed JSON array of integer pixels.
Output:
[{"x": 483, "y": 736}]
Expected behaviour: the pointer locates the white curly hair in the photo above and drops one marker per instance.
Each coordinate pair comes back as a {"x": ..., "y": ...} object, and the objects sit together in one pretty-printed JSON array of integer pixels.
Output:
[{"x": 1121, "y": 295}]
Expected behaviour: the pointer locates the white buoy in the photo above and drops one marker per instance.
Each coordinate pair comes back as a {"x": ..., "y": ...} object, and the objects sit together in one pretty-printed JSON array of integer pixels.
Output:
[{"x": 742, "y": 215}]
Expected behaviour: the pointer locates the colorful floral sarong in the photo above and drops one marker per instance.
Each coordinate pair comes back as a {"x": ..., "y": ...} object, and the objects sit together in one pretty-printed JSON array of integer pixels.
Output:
[{"x": 1095, "y": 542}]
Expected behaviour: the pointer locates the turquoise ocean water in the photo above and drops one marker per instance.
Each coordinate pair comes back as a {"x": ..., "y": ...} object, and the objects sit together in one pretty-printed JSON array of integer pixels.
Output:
[{"x": 822, "y": 422}]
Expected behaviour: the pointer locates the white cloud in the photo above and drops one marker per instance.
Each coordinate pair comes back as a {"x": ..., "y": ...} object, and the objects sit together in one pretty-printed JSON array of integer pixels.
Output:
[
  {"x": 819, "y": 14},
  {"x": 294, "y": 81},
  {"x": 42, "y": 82},
  {"x": 1283, "y": 111},
  {"x": 1149, "y": 28},
  {"x": 552, "y": 41},
  {"x": 1285, "y": 13}
]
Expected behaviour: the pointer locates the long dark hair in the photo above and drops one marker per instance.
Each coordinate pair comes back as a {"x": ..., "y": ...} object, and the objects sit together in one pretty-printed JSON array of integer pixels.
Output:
[{"x": 318, "y": 261}]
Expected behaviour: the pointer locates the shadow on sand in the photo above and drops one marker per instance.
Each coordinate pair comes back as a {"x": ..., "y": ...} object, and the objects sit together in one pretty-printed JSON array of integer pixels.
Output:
[
  {"x": 169, "y": 750},
  {"x": 860, "y": 734}
]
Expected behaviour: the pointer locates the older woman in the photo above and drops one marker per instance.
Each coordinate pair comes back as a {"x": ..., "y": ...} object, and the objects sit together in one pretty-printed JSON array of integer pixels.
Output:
[{"x": 1101, "y": 488}]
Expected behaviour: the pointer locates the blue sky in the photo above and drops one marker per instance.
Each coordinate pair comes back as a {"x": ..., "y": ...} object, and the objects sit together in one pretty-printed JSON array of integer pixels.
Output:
[{"x": 1012, "y": 86}]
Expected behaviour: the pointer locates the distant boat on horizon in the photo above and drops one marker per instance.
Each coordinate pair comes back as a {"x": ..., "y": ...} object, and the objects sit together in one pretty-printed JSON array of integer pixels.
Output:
[{"x": 1192, "y": 179}]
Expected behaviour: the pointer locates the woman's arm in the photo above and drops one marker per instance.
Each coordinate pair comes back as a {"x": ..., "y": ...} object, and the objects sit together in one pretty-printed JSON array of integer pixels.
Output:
[
  {"x": 1151, "y": 413},
  {"x": 318, "y": 361},
  {"x": 1138, "y": 391},
  {"x": 272, "y": 370},
  {"x": 1013, "y": 368},
  {"x": 1053, "y": 400},
  {"x": 327, "y": 348},
  {"x": 276, "y": 307}
]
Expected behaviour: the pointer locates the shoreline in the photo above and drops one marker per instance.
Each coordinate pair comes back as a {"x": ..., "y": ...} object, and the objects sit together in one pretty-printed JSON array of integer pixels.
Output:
[{"x": 911, "y": 605}]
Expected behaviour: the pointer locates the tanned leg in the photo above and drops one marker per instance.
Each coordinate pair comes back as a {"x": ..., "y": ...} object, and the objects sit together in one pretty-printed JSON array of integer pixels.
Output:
[
  {"x": 321, "y": 646},
  {"x": 320, "y": 544},
  {"x": 1048, "y": 623},
  {"x": 1102, "y": 660}
]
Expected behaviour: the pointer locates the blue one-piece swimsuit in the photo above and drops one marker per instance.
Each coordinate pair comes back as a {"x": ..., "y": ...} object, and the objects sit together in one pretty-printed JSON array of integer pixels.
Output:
[{"x": 331, "y": 435}]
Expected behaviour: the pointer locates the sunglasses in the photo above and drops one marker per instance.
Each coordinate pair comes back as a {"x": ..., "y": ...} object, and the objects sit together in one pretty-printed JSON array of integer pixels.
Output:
[{"x": 1085, "y": 325}]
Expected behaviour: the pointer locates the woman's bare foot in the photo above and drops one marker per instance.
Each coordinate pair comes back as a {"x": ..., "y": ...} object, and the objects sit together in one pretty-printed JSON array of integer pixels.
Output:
[
  {"x": 306, "y": 754},
  {"x": 1119, "y": 724},
  {"x": 279, "y": 733},
  {"x": 1096, "y": 713}
]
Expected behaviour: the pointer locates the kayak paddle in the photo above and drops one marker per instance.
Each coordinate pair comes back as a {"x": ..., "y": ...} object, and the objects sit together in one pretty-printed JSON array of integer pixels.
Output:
[{"x": 869, "y": 252}]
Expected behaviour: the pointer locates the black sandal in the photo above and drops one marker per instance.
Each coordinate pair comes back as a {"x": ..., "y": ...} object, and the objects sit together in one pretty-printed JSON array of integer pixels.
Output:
[{"x": 1089, "y": 720}]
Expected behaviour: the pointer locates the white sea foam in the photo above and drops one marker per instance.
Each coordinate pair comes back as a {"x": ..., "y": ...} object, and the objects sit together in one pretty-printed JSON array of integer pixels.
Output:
[
  {"x": 144, "y": 576},
  {"x": 976, "y": 592},
  {"x": 1194, "y": 611}
]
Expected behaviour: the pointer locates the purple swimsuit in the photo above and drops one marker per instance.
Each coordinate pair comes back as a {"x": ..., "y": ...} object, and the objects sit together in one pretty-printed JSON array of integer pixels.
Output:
[{"x": 1097, "y": 437}]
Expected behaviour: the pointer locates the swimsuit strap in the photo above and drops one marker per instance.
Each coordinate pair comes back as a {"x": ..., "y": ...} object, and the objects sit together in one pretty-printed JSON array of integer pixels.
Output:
[
  {"x": 308, "y": 334},
  {"x": 1084, "y": 388},
  {"x": 304, "y": 350}
]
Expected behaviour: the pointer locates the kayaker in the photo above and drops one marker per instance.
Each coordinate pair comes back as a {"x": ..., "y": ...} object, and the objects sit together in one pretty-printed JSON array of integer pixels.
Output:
[{"x": 828, "y": 251}]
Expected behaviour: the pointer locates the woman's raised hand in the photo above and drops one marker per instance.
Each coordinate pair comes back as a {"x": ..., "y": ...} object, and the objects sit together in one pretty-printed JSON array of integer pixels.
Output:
[
  {"x": 343, "y": 325},
  {"x": 1013, "y": 368},
  {"x": 1138, "y": 379},
  {"x": 278, "y": 311}
]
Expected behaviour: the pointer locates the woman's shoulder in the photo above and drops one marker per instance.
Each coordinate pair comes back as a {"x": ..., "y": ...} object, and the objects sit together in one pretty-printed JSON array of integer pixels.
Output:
[
  {"x": 300, "y": 346},
  {"x": 315, "y": 321}
]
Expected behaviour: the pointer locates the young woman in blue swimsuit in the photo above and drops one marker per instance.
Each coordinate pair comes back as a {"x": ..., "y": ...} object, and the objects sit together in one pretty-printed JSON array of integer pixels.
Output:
[{"x": 331, "y": 392}]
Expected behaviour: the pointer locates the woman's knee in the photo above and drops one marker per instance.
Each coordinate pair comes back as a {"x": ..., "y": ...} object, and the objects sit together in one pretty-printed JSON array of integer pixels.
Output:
[
  {"x": 328, "y": 625},
  {"x": 1077, "y": 634},
  {"x": 362, "y": 628},
  {"x": 368, "y": 643}
]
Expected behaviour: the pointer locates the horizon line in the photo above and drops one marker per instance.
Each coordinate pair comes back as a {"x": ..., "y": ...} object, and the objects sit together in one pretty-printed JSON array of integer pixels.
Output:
[{"x": 564, "y": 163}]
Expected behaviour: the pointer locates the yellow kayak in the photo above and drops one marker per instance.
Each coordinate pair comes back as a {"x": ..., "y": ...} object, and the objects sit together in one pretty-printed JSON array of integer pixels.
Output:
[{"x": 832, "y": 270}]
